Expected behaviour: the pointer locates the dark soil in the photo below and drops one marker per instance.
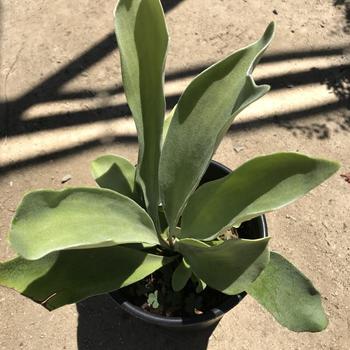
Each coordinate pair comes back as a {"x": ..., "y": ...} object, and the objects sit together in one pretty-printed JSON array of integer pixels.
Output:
[{"x": 186, "y": 302}]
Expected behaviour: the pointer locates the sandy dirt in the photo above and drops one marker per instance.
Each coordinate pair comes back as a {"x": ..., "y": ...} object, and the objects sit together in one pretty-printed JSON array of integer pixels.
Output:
[{"x": 61, "y": 105}]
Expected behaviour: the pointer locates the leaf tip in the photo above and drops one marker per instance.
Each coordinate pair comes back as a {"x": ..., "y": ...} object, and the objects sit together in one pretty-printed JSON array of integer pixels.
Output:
[{"x": 269, "y": 32}]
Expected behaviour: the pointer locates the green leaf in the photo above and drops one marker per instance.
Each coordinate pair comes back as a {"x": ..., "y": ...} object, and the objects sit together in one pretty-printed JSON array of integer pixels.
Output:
[
  {"x": 166, "y": 125},
  {"x": 236, "y": 262},
  {"x": 180, "y": 276},
  {"x": 200, "y": 284},
  {"x": 289, "y": 296},
  {"x": 201, "y": 118},
  {"x": 69, "y": 276},
  {"x": 152, "y": 300},
  {"x": 115, "y": 173},
  {"x": 260, "y": 185},
  {"x": 143, "y": 39},
  {"x": 48, "y": 221}
]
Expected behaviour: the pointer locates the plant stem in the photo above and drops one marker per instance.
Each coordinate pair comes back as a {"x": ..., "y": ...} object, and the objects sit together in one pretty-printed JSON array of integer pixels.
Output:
[{"x": 171, "y": 242}]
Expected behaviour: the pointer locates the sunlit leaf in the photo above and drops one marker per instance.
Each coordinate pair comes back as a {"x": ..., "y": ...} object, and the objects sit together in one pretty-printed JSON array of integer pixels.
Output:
[
  {"x": 69, "y": 276},
  {"x": 167, "y": 122},
  {"x": 289, "y": 296},
  {"x": 48, "y": 221},
  {"x": 115, "y": 173},
  {"x": 260, "y": 185},
  {"x": 143, "y": 39},
  {"x": 201, "y": 118}
]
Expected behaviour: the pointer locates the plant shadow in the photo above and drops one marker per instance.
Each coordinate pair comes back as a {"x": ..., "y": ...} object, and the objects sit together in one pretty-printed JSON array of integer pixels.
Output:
[
  {"x": 346, "y": 5},
  {"x": 321, "y": 121},
  {"x": 338, "y": 84},
  {"x": 103, "y": 325}
]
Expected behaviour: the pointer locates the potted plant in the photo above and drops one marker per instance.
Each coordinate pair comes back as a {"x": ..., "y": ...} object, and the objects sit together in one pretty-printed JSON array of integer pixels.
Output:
[{"x": 177, "y": 234}]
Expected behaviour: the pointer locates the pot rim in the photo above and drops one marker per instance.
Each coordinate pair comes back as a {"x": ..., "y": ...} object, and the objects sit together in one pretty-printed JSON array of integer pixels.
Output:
[{"x": 171, "y": 321}]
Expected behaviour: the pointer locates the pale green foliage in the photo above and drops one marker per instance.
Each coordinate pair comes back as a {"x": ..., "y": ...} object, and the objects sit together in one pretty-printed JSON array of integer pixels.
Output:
[
  {"x": 229, "y": 267},
  {"x": 260, "y": 185},
  {"x": 72, "y": 243},
  {"x": 48, "y": 221},
  {"x": 115, "y": 173},
  {"x": 153, "y": 299},
  {"x": 71, "y": 275},
  {"x": 289, "y": 296},
  {"x": 201, "y": 118},
  {"x": 143, "y": 40}
]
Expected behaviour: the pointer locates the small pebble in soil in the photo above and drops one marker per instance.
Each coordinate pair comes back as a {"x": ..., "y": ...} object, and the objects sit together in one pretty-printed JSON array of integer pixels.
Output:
[
  {"x": 238, "y": 149},
  {"x": 291, "y": 217},
  {"x": 346, "y": 177},
  {"x": 66, "y": 178},
  {"x": 275, "y": 12}
]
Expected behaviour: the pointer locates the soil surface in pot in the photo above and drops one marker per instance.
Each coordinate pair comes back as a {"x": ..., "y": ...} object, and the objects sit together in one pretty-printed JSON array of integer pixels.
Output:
[{"x": 155, "y": 294}]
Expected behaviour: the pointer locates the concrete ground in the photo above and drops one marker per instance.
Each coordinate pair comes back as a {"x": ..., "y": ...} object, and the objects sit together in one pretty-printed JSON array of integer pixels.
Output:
[{"x": 61, "y": 105}]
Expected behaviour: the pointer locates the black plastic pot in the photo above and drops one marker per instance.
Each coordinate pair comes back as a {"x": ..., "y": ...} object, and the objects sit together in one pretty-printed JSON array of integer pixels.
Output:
[{"x": 253, "y": 229}]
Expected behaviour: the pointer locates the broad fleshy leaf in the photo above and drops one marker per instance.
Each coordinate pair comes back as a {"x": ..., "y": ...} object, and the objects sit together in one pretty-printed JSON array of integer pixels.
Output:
[
  {"x": 237, "y": 262},
  {"x": 48, "y": 221},
  {"x": 289, "y": 296},
  {"x": 166, "y": 125},
  {"x": 180, "y": 276},
  {"x": 68, "y": 276},
  {"x": 201, "y": 118},
  {"x": 115, "y": 173},
  {"x": 258, "y": 186},
  {"x": 143, "y": 39}
]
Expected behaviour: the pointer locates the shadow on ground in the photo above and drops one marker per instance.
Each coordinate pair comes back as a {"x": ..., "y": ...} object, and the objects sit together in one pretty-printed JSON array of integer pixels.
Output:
[
  {"x": 12, "y": 123},
  {"x": 346, "y": 4},
  {"x": 102, "y": 325},
  {"x": 337, "y": 81},
  {"x": 336, "y": 78}
]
